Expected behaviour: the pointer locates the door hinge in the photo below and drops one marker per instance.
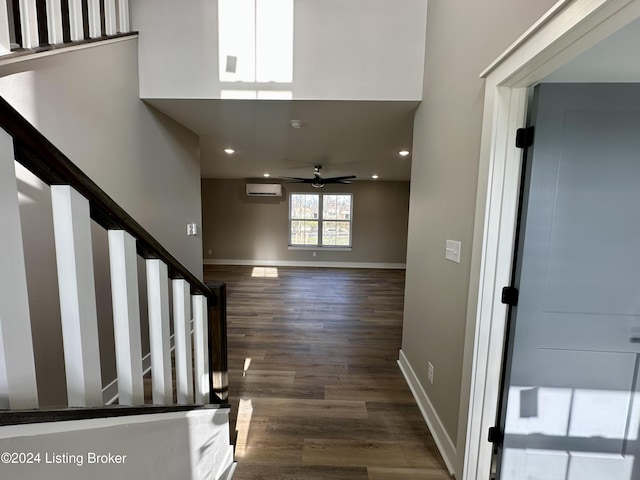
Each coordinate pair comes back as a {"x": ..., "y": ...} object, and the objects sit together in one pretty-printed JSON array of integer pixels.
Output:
[
  {"x": 495, "y": 436},
  {"x": 524, "y": 137},
  {"x": 510, "y": 296}
]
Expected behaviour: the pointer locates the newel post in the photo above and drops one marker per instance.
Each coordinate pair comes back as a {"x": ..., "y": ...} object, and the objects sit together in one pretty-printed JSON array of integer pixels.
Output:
[{"x": 218, "y": 369}]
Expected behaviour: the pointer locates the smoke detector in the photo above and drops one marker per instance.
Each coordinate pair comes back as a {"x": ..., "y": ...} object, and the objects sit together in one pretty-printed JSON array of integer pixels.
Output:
[{"x": 296, "y": 123}]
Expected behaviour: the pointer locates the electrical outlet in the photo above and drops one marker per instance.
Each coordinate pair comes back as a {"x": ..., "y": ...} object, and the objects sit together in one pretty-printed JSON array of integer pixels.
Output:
[
  {"x": 314, "y": 254},
  {"x": 192, "y": 229},
  {"x": 209, "y": 252},
  {"x": 430, "y": 373}
]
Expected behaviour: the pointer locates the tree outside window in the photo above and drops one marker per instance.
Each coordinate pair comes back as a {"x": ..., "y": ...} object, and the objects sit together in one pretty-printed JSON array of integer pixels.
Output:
[{"x": 320, "y": 220}]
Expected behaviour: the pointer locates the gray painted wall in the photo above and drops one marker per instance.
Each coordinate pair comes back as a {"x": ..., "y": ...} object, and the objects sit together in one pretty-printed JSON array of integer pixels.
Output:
[
  {"x": 238, "y": 227},
  {"x": 462, "y": 38},
  {"x": 86, "y": 102},
  {"x": 342, "y": 50}
]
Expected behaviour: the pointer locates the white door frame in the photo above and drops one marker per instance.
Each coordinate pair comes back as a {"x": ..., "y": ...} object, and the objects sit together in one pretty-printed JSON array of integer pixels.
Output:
[{"x": 568, "y": 29}]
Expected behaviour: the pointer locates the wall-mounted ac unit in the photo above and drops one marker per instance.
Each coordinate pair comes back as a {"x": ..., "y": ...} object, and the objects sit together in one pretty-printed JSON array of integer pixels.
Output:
[{"x": 264, "y": 189}]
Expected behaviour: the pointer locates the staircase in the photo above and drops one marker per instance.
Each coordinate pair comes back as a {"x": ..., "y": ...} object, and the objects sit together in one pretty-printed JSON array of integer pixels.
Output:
[{"x": 182, "y": 430}]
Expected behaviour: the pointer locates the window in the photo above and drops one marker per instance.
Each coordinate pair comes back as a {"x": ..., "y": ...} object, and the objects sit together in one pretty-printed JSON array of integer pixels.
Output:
[{"x": 320, "y": 220}]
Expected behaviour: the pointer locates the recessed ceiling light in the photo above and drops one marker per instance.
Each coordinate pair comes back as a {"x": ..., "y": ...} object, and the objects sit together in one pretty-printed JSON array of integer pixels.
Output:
[
  {"x": 375, "y": 177},
  {"x": 403, "y": 153},
  {"x": 266, "y": 175},
  {"x": 229, "y": 151}
]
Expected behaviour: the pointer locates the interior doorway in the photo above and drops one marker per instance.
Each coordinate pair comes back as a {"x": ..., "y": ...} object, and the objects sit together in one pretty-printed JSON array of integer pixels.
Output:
[{"x": 569, "y": 30}]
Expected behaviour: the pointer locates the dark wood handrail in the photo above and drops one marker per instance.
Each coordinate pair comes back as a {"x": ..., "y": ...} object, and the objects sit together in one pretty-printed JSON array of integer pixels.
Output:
[
  {"x": 40, "y": 156},
  {"x": 21, "y": 417}
]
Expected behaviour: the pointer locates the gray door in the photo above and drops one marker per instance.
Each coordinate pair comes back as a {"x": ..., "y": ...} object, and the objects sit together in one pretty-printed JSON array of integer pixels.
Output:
[{"x": 571, "y": 402}]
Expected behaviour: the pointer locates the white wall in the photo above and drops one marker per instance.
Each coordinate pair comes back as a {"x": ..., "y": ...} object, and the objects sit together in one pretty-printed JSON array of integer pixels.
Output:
[
  {"x": 86, "y": 102},
  {"x": 462, "y": 38},
  {"x": 342, "y": 50},
  {"x": 189, "y": 445}
]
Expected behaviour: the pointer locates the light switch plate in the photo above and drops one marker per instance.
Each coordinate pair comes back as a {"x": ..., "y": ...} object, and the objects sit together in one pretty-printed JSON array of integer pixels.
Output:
[
  {"x": 192, "y": 229},
  {"x": 453, "y": 251}
]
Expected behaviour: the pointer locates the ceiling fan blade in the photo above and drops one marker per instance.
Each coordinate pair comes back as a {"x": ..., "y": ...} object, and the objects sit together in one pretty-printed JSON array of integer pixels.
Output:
[
  {"x": 298, "y": 179},
  {"x": 338, "y": 179}
]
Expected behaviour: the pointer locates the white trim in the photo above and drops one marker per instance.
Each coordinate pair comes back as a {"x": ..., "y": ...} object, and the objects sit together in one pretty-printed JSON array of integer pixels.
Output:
[
  {"x": 567, "y": 30},
  {"x": 287, "y": 263},
  {"x": 58, "y": 51},
  {"x": 525, "y": 36},
  {"x": 440, "y": 436}
]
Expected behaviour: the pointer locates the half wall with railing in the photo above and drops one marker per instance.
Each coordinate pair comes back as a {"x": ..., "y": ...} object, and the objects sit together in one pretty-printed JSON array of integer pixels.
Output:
[
  {"x": 35, "y": 25},
  {"x": 187, "y": 330}
]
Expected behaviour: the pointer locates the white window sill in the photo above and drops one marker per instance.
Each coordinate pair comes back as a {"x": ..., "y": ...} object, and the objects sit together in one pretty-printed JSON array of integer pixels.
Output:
[{"x": 324, "y": 247}]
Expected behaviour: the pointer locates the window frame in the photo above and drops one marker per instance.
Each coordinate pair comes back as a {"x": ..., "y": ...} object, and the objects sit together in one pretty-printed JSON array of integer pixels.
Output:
[{"x": 320, "y": 219}]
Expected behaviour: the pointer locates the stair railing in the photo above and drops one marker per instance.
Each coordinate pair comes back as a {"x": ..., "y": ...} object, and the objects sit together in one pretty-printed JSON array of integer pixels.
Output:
[
  {"x": 76, "y": 200},
  {"x": 36, "y": 25}
]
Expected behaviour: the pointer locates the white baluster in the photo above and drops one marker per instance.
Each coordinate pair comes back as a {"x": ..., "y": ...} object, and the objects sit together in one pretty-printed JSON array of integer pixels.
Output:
[
  {"x": 18, "y": 388},
  {"x": 200, "y": 338},
  {"x": 5, "y": 38},
  {"x": 74, "y": 257},
  {"x": 123, "y": 16},
  {"x": 159, "y": 331},
  {"x": 54, "y": 21},
  {"x": 110, "y": 18},
  {"x": 94, "y": 18},
  {"x": 29, "y": 24},
  {"x": 182, "y": 335},
  {"x": 75, "y": 20},
  {"x": 126, "y": 316}
]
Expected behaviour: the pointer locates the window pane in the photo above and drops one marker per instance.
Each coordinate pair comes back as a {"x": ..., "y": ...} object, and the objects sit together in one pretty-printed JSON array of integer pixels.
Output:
[
  {"x": 304, "y": 232},
  {"x": 336, "y": 233},
  {"x": 330, "y": 207},
  {"x": 343, "y": 207},
  {"x": 304, "y": 206},
  {"x": 336, "y": 207}
]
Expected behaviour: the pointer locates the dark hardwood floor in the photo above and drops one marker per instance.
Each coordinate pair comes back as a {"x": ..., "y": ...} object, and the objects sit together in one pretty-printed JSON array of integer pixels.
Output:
[{"x": 315, "y": 389}]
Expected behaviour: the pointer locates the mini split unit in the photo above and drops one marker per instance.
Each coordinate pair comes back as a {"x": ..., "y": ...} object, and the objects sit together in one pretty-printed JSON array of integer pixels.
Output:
[{"x": 264, "y": 189}]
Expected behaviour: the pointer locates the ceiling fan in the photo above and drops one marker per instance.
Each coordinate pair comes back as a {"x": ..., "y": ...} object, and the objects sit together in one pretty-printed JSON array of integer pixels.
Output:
[{"x": 318, "y": 181}]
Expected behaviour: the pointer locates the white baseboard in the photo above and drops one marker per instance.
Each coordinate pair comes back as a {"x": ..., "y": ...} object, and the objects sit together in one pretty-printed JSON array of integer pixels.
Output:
[
  {"x": 440, "y": 435},
  {"x": 287, "y": 263}
]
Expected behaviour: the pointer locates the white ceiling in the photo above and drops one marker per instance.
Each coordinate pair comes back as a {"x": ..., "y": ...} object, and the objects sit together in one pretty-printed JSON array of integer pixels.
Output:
[
  {"x": 615, "y": 59},
  {"x": 345, "y": 137}
]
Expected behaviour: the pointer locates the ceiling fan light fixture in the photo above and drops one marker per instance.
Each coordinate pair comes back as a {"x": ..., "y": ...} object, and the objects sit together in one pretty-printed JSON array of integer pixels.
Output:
[
  {"x": 375, "y": 176},
  {"x": 266, "y": 175},
  {"x": 229, "y": 151}
]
